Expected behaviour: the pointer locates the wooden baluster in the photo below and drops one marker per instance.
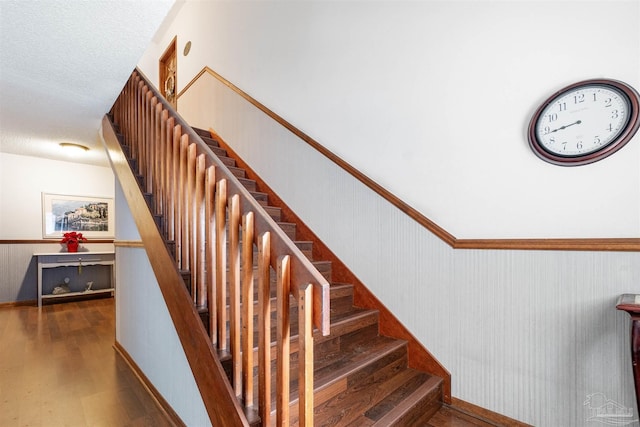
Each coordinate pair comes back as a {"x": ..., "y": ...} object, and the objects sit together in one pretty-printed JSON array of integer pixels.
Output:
[
  {"x": 133, "y": 114},
  {"x": 151, "y": 126},
  {"x": 234, "y": 294},
  {"x": 210, "y": 230},
  {"x": 174, "y": 232},
  {"x": 161, "y": 118},
  {"x": 182, "y": 195},
  {"x": 137, "y": 124},
  {"x": 146, "y": 171},
  {"x": 140, "y": 126},
  {"x": 125, "y": 125},
  {"x": 190, "y": 216},
  {"x": 156, "y": 114},
  {"x": 143, "y": 132},
  {"x": 201, "y": 297},
  {"x": 283, "y": 344},
  {"x": 167, "y": 123},
  {"x": 221, "y": 261},
  {"x": 247, "y": 306},
  {"x": 126, "y": 112},
  {"x": 264, "y": 328},
  {"x": 305, "y": 355},
  {"x": 166, "y": 179}
]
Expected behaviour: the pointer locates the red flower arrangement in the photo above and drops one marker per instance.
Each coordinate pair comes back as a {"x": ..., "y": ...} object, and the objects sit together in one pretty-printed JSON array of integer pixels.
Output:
[{"x": 72, "y": 240}]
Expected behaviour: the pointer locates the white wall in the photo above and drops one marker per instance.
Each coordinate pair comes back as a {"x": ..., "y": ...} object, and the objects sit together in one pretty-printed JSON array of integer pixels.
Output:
[
  {"x": 432, "y": 98},
  {"x": 23, "y": 179}
]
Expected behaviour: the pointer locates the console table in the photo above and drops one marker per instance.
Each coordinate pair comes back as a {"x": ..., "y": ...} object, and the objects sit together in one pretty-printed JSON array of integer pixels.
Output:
[
  {"x": 631, "y": 304},
  {"x": 80, "y": 268}
]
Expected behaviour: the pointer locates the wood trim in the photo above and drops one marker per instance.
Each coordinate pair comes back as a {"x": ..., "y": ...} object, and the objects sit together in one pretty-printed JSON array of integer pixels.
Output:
[
  {"x": 128, "y": 244},
  {"x": 618, "y": 245},
  {"x": 604, "y": 244},
  {"x": 172, "y": 417},
  {"x": 484, "y": 414},
  {"x": 23, "y": 303},
  {"x": 419, "y": 357},
  {"x": 218, "y": 397}
]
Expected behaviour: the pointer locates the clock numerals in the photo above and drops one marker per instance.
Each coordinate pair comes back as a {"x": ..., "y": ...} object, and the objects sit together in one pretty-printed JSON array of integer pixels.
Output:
[
  {"x": 578, "y": 98},
  {"x": 596, "y": 140},
  {"x": 607, "y": 102},
  {"x": 553, "y": 117},
  {"x": 578, "y": 145}
]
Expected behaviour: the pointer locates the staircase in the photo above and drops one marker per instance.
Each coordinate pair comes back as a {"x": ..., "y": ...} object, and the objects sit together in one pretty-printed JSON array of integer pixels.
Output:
[
  {"x": 343, "y": 372},
  {"x": 361, "y": 378}
]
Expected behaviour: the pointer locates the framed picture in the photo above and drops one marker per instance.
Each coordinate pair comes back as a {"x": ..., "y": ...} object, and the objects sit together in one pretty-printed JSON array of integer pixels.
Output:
[{"x": 91, "y": 216}]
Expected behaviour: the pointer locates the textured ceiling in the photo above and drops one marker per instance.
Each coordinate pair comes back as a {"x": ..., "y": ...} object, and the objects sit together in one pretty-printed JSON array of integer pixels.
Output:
[{"x": 62, "y": 64}]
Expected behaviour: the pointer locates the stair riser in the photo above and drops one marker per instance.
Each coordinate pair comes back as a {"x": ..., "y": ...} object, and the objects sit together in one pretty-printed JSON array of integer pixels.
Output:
[{"x": 218, "y": 151}]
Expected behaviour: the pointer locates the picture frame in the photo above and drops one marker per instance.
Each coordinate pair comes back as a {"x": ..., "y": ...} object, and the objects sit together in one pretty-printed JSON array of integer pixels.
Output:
[{"x": 90, "y": 215}]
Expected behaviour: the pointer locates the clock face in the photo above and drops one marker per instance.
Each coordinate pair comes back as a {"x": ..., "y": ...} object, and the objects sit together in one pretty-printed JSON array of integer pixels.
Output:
[{"x": 584, "y": 122}]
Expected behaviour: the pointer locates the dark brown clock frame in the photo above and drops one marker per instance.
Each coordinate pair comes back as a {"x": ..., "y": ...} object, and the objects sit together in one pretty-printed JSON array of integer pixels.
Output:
[{"x": 627, "y": 133}]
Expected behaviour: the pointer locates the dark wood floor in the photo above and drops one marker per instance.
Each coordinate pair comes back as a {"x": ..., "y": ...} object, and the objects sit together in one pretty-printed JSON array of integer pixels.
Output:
[{"x": 58, "y": 367}]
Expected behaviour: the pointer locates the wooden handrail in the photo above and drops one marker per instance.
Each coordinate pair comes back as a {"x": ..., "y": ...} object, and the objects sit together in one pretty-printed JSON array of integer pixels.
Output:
[
  {"x": 204, "y": 209},
  {"x": 589, "y": 244}
]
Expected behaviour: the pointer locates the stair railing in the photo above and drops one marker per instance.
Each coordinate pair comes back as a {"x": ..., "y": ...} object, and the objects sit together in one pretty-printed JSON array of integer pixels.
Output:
[{"x": 208, "y": 216}]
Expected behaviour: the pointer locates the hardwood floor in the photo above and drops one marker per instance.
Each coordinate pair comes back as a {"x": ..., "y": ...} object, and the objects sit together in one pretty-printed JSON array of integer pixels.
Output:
[{"x": 58, "y": 367}]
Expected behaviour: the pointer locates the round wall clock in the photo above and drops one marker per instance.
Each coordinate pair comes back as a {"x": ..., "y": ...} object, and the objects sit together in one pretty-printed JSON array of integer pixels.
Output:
[{"x": 585, "y": 122}]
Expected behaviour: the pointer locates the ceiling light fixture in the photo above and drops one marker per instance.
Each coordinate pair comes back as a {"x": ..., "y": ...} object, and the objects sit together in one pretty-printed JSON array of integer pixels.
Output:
[{"x": 78, "y": 148}]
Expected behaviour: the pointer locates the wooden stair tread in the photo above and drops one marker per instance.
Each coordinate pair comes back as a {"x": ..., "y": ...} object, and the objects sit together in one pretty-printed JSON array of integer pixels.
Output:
[
  {"x": 247, "y": 183},
  {"x": 219, "y": 152},
  {"x": 237, "y": 172},
  {"x": 209, "y": 141},
  {"x": 402, "y": 402},
  {"x": 227, "y": 161}
]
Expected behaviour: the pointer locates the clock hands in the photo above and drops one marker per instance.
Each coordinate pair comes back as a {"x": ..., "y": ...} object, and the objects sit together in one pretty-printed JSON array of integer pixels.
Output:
[{"x": 577, "y": 122}]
